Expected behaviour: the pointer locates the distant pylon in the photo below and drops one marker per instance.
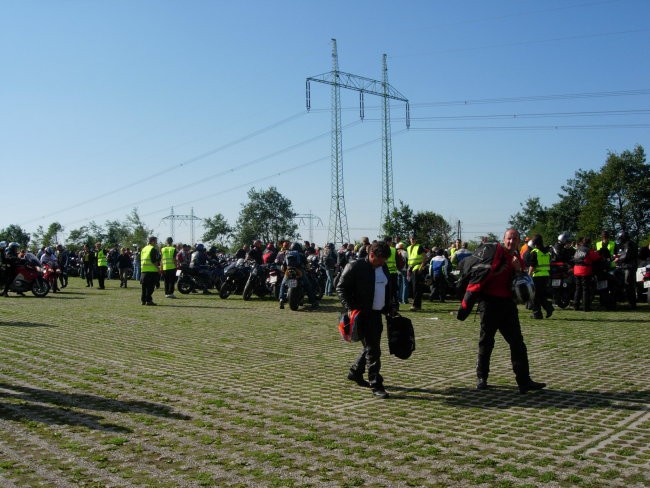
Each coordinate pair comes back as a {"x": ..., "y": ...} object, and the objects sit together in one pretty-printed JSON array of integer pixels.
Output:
[{"x": 172, "y": 217}]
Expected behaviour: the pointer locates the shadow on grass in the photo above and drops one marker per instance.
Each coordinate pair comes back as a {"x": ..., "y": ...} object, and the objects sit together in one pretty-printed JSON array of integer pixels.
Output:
[
  {"x": 62, "y": 405},
  {"x": 24, "y": 324},
  {"x": 499, "y": 397}
]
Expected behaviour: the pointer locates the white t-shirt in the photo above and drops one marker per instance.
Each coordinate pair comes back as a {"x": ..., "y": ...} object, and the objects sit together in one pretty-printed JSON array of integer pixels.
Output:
[{"x": 380, "y": 289}]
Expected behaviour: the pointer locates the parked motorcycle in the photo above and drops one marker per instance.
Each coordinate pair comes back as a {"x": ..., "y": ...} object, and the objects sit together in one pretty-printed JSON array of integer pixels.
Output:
[
  {"x": 190, "y": 279},
  {"x": 258, "y": 281},
  {"x": 29, "y": 277},
  {"x": 562, "y": 283},
  {"x": 235, "y": 277},
  {"x": 643, "y": 281},
  {"x": 295, "y": 289},
  {"x": 51, "y": 276}
]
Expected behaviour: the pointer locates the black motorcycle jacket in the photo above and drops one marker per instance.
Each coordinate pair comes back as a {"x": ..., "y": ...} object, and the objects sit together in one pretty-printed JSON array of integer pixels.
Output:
[
  {"x": 356, "y": 287},
  {"x": 627, "y": 255}
]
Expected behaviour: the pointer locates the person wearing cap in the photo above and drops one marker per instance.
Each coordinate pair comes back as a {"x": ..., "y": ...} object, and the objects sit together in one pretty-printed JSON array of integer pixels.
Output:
[{"x": 150, "y": 259}]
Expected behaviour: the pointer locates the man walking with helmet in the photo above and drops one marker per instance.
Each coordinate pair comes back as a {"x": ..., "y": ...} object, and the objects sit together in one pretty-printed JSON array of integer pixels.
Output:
[{"x": 498, "y": 312}]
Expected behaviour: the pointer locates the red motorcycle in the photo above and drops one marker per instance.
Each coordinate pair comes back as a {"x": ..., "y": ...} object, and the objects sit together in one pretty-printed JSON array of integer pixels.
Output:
[
  {"x": 29, "y": 277},
  {"x": 51, "y": 275}
]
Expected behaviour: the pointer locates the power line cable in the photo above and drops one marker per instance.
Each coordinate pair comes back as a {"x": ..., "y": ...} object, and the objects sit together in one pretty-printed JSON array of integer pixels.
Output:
[
  {"x": 530, "y": 115},
  {"x": 183, "y": 164},
  {"x": 530, "y": 128}
]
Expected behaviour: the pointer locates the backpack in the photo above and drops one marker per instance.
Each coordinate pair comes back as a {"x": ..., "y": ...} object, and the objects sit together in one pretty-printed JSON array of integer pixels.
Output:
[
  {"x": 292, "y": 259},
  {"x": 474, "y": 272},
  {"x": 436, "y": 267},
  {"x": 401, "y": 336}
]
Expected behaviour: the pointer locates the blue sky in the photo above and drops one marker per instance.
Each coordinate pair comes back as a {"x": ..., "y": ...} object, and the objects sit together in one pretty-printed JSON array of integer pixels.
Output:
[{"x": 107, "y": 106}]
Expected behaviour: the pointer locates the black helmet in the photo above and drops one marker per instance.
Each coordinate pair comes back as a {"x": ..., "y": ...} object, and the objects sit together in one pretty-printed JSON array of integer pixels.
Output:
[
  {"x": 296, "y": 247},
  {"x": 200, "y": 247},
  {"x": 622, "y": 237},
  {"x": 523, "y": 288},
  {"x": 12, "y": 249},
  {"x": 564, "y": 237}
]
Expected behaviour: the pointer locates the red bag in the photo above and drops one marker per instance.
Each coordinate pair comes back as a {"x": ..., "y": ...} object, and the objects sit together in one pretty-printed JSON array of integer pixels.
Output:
[{"x": 350, "y": 326}]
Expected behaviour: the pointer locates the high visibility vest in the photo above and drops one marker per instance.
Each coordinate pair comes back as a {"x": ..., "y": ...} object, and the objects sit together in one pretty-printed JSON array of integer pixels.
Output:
[
  {"x": 168, "y": 258},
  {"x": 611, "y": 247},
  {"x": 391, "y": 262},
  {"x": 101, "y": 258},
  {"x": 147, "y": 265},
  {"x": 543, "y": 267},
  {"x": 415, "y": 258}
]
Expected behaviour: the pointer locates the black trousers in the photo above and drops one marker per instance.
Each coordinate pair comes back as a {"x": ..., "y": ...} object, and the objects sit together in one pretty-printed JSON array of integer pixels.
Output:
[
  {"x": 541, "y": 294},
  {"x": 417, "y": 280},
  {"x": 88, "y": 271},
  {"x": 370, "y": 356},
  {"x": 630, "y": 286},
  {"x": 500, "y": 314},
  {"x": 583, "y": 293},
  {"x": 148, "y": 281},
  {"x": 101, "y": 275},
  {"x": 170, "y": 280}
]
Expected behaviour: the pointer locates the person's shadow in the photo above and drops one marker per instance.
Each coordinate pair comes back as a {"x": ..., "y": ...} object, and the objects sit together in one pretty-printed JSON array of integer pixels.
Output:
[
  {"x": 501, "y": 397},
  {"x": 23, "y": 403}
]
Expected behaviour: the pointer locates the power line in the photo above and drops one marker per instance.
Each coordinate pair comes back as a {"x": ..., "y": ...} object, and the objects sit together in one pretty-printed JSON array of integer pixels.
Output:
[
  {"x": 532, "y": 127},
  {"x": 534, "y": 115}
]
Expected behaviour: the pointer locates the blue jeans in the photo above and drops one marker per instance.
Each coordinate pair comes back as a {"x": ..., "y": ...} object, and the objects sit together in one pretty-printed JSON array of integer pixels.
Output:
[
  {"x": 329, "y": 285},
  {"x": 403, "y": 286}
]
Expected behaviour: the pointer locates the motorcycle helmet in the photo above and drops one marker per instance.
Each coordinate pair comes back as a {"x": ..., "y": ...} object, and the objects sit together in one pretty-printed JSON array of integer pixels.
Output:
[
  {"x": 49, "y": 250},
  {"x": 3, "y": 244},
  {"x": 523, "y": 288},
  {"x": 200, "y": 247},
  {"x": 12, "y": 249},
  {"x": 564, "y": 238},
  {"x": 296, "y": 247},
  {"x": 622, "y": 237}
]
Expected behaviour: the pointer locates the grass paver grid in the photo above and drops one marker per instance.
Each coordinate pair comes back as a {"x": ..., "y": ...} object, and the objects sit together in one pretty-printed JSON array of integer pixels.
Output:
[{"x": 231, "y": 393}]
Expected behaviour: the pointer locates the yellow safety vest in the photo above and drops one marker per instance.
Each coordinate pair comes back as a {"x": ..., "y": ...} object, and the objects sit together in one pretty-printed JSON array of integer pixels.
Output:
[
  {"x": 147, "y": 265},
  {"x": 391, "y": 262},
  {"x": 101, "y": 258},
  {"x": 415, "y": 258},
  {"x": 543, "y": 267},
  {"x": 611, "y": 247},
  {"x": 168, "y": 258}
]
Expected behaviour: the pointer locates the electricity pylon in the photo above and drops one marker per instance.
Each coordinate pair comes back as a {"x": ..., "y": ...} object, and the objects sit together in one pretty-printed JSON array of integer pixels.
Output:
[
  {"x": 311, "y": 218},
  {"x": 338, "y": 224},
  {"x": 183, "y": 218}
]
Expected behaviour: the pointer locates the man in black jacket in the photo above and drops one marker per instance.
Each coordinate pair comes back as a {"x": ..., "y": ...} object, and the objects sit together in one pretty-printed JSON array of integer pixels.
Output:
[{"x": 365, "y": 286}]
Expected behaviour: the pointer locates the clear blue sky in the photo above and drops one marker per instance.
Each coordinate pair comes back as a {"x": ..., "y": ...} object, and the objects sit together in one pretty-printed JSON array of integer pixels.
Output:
[{"x": 106, "y": 106}]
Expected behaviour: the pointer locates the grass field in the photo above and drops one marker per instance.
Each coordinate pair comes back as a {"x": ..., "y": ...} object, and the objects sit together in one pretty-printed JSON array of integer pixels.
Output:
[{"x": 97, "y": 390}]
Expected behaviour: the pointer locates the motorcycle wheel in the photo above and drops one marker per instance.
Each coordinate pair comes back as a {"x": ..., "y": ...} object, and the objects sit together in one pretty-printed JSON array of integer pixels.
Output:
[
  {"x": 40, "y": 288},
  {"x": 248, "y": 290},
  {"x": 562, "y": 300},
  {"x": 185, "y": 286},
  {"x": 226, "y": 289},
  {"x": 293, "y": 297}
]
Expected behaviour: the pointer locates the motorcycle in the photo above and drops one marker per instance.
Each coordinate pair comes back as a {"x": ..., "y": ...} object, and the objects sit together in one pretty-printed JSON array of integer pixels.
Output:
[
  {"x": 258, "y": 281},
  {"x": 274, "y": 280},
  {"x": 190, "y": 279},
  {"x": 562, "y": 283},
  {"x": 51, "y": 276},
  {"x": 643, "y": 281},
  {"x": 295, "y": 289},
  {"x": 235, "y": 278},
  {"x": 29, "y": 277}
]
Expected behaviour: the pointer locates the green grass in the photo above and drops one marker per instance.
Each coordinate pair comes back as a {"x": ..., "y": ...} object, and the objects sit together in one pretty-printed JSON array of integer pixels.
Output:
[{"x": 97, "y": 390}]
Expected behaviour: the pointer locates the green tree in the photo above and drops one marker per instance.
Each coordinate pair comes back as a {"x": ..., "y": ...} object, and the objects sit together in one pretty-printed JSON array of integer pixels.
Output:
[
  {"x": 15, "y": 233},
  {"x": 78, "y": 237},
  {"x": 268, "y": 216},
  {"x": 432, "y": 229},
  {"x": 624, "y": 186},
  {"x": 564, "y": 215},
  {"x": 138, "y": 231},
  {"x": 217, "y": 230},
  {"x": 400, "y": 222},
  {"x": 530, "y": 218}
]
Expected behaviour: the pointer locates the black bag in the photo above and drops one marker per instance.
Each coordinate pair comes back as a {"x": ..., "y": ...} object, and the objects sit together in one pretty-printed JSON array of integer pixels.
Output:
[{"x": 401, "y": 336}]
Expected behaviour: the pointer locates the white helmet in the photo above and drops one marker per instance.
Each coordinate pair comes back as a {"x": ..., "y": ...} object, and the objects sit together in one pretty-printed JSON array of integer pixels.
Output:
[{"x": 523, "y": 288}]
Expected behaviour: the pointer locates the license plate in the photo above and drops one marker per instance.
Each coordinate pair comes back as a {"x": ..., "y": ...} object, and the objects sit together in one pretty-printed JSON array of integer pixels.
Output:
[
  {"x": 178, "y": 272},
  {"x": 273, "y": 279},
  {"x": 292, "y": 283},
  {"x": 646, "y": 284},
  {"x": 556, "y": 283},
  {"x": 601, "y": 285}
]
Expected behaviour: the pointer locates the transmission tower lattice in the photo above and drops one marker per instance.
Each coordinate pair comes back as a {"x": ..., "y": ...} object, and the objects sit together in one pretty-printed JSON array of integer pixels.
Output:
[
  {"x": 338, "y": 224},
  {"x": 183, "y": 218},
  {"x": 310, "y": 218}
]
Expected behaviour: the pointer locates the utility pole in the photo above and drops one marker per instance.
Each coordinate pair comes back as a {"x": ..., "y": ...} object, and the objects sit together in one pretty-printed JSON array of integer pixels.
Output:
[
  {"x": 310, "y": 219},
  {"x": 388, "y": 200},
  {"x": 338, "y": 224},
  {"x": 458, "y": 231},
  {"x": 172, "y": 217}
]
